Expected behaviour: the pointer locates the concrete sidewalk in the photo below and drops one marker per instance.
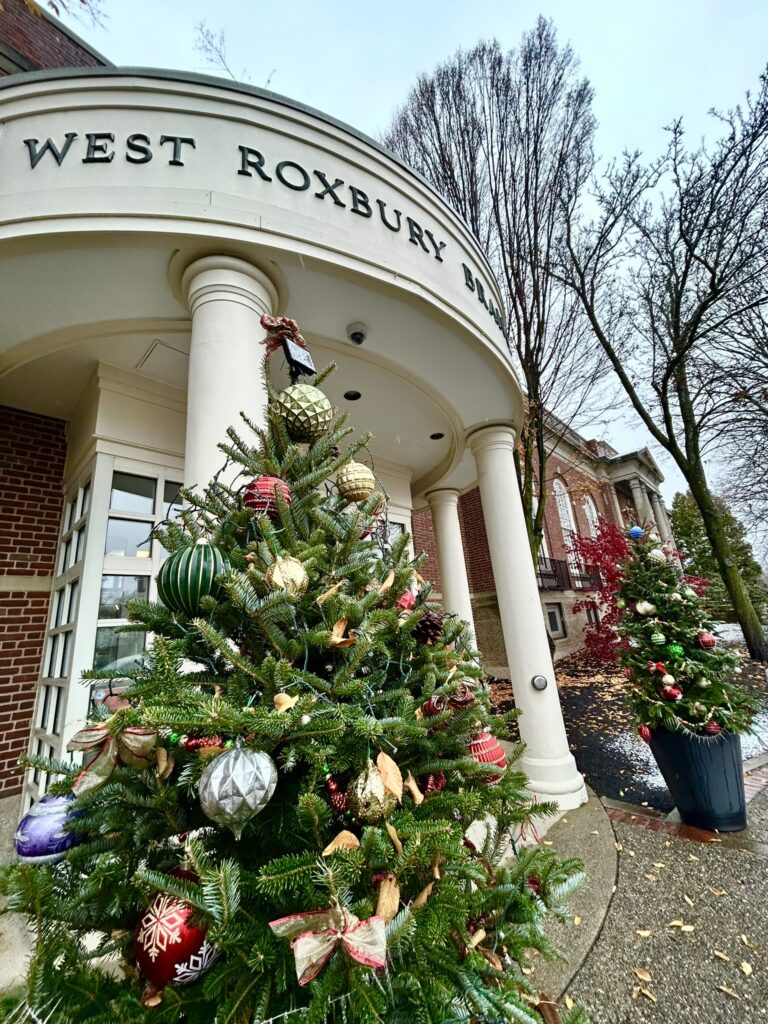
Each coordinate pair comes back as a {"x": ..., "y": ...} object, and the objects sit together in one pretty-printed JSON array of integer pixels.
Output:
[{"x": 682, "y": 933}]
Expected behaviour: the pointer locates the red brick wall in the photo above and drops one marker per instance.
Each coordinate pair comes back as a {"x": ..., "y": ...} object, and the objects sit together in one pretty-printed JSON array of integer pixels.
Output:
[
  {"x": 424, "y": 540},
  {"x": 476, "y": 553},
  {"x": 23, "y": 620},
  {"x": 39, "y": 40},
  {"x": 32, "y": 453}
]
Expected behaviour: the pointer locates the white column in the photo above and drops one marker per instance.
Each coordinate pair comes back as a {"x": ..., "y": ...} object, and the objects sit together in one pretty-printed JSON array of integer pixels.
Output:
[
  {"x": 640, "y": 498},
  {"x": 661, "y": 520},
  {"x": 547, "y": 760},
  {"x": 444, "y": 506},
  {"x": 617, "y": 507},
  {"x": 226, "y": 297}
]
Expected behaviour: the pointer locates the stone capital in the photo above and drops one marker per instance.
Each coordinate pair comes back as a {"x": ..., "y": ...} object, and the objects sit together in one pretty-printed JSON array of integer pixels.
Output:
[{"x": 229, "y": 279}]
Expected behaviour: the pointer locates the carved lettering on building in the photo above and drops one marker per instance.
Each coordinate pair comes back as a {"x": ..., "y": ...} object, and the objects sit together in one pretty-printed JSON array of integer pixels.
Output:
[{"x": 176, "y": 150}]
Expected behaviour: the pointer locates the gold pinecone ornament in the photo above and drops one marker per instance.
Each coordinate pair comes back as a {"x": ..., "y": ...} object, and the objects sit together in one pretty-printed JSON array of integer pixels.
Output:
[
  {"x": 369, "y": 799},
  {"x": 289, "y": 574},
  {"x": 355, "y": 482},
  {"x": 306, "y": 411}
]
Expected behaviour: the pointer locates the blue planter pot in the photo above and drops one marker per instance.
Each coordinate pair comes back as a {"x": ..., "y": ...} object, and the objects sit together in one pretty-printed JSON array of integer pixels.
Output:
[{"x": 705, "y": 777}]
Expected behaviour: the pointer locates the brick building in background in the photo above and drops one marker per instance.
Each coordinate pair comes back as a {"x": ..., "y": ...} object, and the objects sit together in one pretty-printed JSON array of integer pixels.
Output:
[
  {"x": 34, "y": 42},
  {"x": 588, "y": 481}
]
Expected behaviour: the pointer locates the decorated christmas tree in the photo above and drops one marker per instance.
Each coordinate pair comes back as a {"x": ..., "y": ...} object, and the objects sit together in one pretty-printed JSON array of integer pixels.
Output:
[
  {"x": 299, "y": 810},
  {"x": 681, "y": 678}
]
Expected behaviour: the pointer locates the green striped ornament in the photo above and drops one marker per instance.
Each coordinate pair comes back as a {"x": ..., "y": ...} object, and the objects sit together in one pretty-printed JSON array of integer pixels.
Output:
[{"x": 188, "y": 575}]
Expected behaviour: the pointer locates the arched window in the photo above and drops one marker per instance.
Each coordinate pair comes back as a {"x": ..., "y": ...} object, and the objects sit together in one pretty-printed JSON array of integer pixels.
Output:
[
  {"x": 544, "y": 549},
  {"x": 567, "y": 523},
  {"x": 590, "y": 512}
]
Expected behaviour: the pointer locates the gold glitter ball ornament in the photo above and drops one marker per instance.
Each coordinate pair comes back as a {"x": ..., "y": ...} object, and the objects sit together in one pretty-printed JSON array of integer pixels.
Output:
[
  {"x": 369, "y": 800},
  {"x": 355, "y": 482},
  {"x": 306, "y": 411},
  {"x": 289, "y": 574}
]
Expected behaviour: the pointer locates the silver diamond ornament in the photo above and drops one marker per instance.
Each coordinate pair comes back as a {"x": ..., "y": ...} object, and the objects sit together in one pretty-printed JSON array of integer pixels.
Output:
[{"x": 236, "y": 786}]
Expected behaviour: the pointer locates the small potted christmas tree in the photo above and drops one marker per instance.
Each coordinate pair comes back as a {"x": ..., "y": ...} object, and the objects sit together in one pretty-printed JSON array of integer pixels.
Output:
[{"x": 682, "y": 690}]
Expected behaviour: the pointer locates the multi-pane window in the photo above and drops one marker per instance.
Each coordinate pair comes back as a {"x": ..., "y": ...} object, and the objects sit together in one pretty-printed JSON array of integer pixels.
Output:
[
  {"x": 59, "y": 642},
  {"x": 590, "y": 514},
  {"x": 567, "y": 524},
  {"x": 132, "y": 557}
]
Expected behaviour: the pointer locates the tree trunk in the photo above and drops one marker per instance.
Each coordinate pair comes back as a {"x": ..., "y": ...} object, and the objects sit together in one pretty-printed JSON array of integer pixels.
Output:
[{"x": 746, "y": 615}]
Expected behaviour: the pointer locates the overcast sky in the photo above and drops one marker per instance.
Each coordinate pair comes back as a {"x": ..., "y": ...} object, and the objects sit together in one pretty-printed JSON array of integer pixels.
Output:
[{"x": 648, "y": 61}]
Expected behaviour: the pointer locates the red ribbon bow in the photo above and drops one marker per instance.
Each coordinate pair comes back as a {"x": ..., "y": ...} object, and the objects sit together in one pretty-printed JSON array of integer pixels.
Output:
[
  {"x": 279, "y": 328},
  {"x": 316, "y": 935},
  {"x": 657, "y": 666},
  {"x": 134, "y": 747}
]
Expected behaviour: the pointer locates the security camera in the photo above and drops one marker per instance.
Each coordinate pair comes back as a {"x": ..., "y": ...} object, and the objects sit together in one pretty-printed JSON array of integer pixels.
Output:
[{"x": 357, "y": 333}]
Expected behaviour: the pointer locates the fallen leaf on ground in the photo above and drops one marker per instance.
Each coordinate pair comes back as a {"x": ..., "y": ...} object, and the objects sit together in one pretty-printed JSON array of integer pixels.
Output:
[
  {"x": 688, "y": 900},
  {"x": 721, "y": 956},
  {"x": 659, "y": 864},
  {"x": 546, "y": 842},
  {"x": 648, "y": 994},
  {"x": 686, "y": 927},
  {"x": 651, "y": 878},
  {"x": 631, "y": 853},
  {"x": 618, "y": 846},
  {"x": 642, "y": 974},
  {"x": 677, "y": 923},
  {"x": 729, "y": 992},
  {"x": 643, "y": 933},
  {"x": 595, "y": 832},
  {"x": 691, "y": 857},
  {"x": 577, "y": 920},
  {"x": 746, "y": 967},
  {"x": 569, "y": 1003},
  {"x": 718, "y": 892}
]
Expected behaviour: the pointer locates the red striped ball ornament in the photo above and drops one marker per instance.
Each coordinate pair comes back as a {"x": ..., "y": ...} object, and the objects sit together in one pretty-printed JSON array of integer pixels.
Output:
[
  {"x": 486, "y": 749},
  {"x": 189, "y": 575},
  {"x": 261, "y": 495}
]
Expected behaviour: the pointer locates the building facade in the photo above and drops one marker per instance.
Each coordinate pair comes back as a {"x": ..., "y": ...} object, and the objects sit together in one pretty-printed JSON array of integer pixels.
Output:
[
  {"x": 148, "y": 219},
  {"x": 587, "y": 481}
]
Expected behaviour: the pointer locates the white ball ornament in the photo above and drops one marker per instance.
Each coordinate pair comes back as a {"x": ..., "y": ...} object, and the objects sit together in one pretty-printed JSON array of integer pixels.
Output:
[
  {"x": 674, "y": 596},
  {"x": 668, "y": 680},
  {"x": 656, "y": 555},
  {"x": 287, "y": 573},
  {"x": 236, "y": 786},
  {"x": 645, "y": 608},
  {"x": 703, "y": 683}
]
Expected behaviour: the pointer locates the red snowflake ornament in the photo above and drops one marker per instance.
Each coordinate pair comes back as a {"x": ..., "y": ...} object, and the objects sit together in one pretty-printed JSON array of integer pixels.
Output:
[
  {"x": 167, "y": 947},
  {"x": 671, "y": 693},
  {"x": 707, "y": 640}
]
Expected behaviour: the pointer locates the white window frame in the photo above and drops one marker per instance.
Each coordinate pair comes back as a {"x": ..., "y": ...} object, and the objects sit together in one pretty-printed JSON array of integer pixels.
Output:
[
  {"x": 567, "y": 524},
  {"x": 557, "y": 608},
  {"x": 591, "y": 515}
]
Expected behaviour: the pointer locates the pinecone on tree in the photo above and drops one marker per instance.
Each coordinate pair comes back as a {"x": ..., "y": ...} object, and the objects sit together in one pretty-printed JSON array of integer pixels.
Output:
[{"x": 429, "y": 628}]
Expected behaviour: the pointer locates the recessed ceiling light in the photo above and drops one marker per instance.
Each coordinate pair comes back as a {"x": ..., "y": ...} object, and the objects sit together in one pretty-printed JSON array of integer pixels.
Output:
[
  {"x": 352, "y": 396},
  {"x": 436, "y": 437}
]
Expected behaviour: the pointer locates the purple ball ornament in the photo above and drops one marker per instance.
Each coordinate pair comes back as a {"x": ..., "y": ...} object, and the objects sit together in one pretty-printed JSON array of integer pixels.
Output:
[{"x": 40, "y": 837}]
